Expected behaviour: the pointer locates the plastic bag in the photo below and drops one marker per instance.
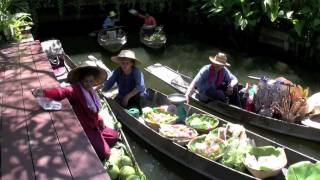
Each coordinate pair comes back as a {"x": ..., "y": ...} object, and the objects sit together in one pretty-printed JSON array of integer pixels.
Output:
[{"x": 49, "y": 104}]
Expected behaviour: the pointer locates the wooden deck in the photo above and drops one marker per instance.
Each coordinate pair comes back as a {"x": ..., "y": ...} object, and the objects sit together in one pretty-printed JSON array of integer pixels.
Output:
[{"x": 36, "y": 144}]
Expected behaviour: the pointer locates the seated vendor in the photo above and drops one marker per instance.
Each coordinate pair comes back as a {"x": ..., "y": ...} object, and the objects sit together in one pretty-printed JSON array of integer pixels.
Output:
[
  {"x": 129, "y": 79},
  {"x": 86, "y": 104},
  {"x": 215, "y": 81}
]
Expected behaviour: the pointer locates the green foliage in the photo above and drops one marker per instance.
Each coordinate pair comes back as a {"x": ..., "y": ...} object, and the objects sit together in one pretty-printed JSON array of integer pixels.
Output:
[{"x": 12, "y": 24}]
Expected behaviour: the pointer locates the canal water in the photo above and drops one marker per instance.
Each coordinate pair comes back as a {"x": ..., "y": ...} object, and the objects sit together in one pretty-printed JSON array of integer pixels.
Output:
[{"x": 187, "y": 55}]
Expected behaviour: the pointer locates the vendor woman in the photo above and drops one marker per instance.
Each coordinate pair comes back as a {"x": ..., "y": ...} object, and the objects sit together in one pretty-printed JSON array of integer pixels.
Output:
[
  {"x": 86, "y": 105},
  {"x": 129, "y": 79}
]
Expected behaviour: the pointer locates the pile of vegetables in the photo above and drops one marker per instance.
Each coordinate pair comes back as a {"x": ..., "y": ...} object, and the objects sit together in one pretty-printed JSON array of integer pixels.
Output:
[
  {"x": 202, "y": 123},
  {"x": 265, "y": 161},
  {"x": 207, "y": 146},
  {"x": 303, "y": 170},
  {"x": 157, "y": 36},
  {"x": 158, "y": 115},
  {"x": 119, "y": 166},
  {"x": 178, "y": 132}
]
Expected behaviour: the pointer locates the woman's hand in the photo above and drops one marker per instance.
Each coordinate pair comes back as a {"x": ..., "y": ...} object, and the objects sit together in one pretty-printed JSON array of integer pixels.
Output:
[{"x": 37, "y": 92}]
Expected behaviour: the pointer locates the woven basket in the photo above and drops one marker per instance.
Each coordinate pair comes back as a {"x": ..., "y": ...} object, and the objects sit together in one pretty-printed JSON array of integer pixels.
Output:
[
  {"x": 265, "y": 174},
  {"x": 154, "y": 126}
]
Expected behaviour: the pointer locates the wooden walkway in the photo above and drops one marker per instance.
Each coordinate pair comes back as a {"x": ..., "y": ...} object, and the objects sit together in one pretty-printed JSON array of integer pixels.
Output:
[{"x": 36, "y": 144}]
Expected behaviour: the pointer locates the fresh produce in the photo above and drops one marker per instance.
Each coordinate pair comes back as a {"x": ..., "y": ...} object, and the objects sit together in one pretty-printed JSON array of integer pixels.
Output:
[
  {"x": 303, "y": 170},
  {"x": 202, "y": 122},
  {"x": 265, "y": 161},
  {"x": 229, "y": 131},
  {"x": 234, "y": 153},
  {"x": 207, "y": 146},
  {"x": 126, "y": 171},
  {"x": 179, "y": 133},
  {"x": 113, "y": 171},
  {"x": 133, "y": 177},
  {"x": 125, "y": 161},
  {"x": 158, "y": 115},
  {"x": 157, "y": 36}
]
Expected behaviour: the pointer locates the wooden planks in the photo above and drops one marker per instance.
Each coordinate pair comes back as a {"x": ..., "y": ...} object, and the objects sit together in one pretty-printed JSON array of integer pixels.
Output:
[
  {"x": 16, "y": 161},
  {"x": 37, "y": 144}
]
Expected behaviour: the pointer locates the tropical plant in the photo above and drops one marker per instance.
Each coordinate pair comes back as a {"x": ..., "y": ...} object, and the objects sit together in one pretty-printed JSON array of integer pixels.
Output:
[{"x": 12, "y": 24}]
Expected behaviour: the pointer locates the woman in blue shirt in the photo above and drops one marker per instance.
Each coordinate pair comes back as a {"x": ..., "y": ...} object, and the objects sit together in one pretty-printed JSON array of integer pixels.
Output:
[
  {"x": 129, "y": 79},
  {"x": 216, "y": 81}
]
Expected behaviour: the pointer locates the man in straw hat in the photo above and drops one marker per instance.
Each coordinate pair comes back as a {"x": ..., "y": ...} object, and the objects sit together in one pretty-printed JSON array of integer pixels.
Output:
[
  {"x": 129, "y": 79},
  {"x": 86, "y": 104},
  {"x": 215, "y": 81}
]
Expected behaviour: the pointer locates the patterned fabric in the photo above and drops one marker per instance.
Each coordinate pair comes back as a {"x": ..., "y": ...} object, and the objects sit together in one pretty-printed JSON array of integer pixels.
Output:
[{"x": 269, "y": 93}]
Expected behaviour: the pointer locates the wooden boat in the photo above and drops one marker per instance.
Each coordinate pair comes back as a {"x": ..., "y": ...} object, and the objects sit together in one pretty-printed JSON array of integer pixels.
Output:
[
  {"x": 112, "y": 39},
  {"x": 180, "y": 83},
  {"x": 106, "y": 112},
  {"x": 209, "y": 168},
  {"x": 156, "y": 40}
]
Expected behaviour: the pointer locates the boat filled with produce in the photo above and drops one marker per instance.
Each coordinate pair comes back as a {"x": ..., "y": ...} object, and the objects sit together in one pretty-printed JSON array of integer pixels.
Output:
[{"x": 204, "y": 141}]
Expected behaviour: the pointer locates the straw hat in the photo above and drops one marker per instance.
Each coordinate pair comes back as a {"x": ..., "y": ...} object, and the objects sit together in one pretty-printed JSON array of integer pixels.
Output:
[
  {"x": 128, "y": 54},
  {"x": 112, "y": 14},
  {"x": 220, "y": 59},
  {"x": 99, "y": 74}
]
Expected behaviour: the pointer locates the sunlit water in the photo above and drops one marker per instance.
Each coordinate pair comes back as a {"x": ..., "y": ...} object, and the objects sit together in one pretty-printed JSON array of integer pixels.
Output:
[{"x": 188, "y": 56}]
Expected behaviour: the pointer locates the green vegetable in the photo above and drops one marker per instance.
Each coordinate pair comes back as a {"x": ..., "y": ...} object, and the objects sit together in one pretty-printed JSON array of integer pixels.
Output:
[
  {"x": 304, "y": 170},
  {"x": 234, "y": 154},
  {"x": 133, "y": 177},
  {"x": 125, "y": 161},
  {"x": 126, "y": 171},
  {"x": 113, "y": 171},
  {"x": 202, "y": 121}
]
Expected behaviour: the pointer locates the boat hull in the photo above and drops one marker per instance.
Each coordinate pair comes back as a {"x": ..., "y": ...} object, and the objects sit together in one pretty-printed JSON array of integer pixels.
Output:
[
  {"x": 112, "y": 45},
  {"x": 181, "y": 154},
  {"x": 180, "y": 83}
]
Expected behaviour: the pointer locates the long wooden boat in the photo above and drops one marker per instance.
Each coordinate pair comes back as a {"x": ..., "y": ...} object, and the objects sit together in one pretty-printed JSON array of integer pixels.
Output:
[
  {"x": 112, "y": 44},
  {"x": 156, "y": 43},
  {"x": 180, "y": 82},
  {"x": 209, "y": 168},
  {"x": 106, "y": 112}
]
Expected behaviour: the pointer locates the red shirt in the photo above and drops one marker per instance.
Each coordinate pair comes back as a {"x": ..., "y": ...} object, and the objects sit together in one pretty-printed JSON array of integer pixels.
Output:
[
  {"x": 89, "y": 120},
  {"x": 148, "y": 20}
]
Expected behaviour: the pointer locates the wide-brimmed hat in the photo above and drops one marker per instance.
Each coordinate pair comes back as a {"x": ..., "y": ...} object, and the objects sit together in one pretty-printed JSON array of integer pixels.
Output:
[
  {"x": 112, "y": 14},
  {"x": 125, "y": 54},
  {"x": 220, "y": 59},
  {"x": 99, "y": 74}
]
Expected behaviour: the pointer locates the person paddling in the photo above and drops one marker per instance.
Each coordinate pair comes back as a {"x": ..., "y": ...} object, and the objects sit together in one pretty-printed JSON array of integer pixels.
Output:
[{"x": 215, "y": 81}]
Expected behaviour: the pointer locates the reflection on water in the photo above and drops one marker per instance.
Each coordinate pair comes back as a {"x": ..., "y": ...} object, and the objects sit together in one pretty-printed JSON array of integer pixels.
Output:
[{"x": 188, "y": 56}]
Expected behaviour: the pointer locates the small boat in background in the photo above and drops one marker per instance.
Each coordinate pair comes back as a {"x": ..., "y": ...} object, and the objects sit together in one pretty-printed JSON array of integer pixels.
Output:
[
  {"x": 153, "y": 37},
  {"x": 112, "y": 39}
]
